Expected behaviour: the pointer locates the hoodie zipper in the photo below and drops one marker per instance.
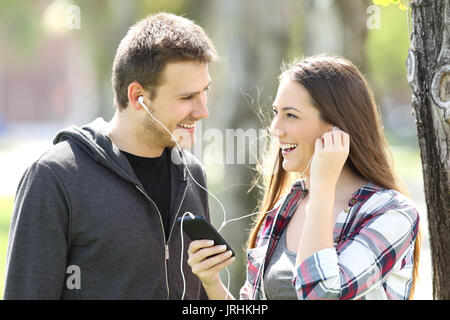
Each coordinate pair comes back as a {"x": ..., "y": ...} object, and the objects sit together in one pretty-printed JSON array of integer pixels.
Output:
[
  {"x": 170, "y": 233},
  {"x": 166, "y": 244},
  {"x": 166, "y": 247}
]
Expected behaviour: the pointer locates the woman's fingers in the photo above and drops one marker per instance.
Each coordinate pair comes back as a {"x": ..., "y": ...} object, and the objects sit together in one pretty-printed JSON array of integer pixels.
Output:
[
  {"x": 330, "y": 154},
  {"x": 346, "y": 141},
  {"x": 327, "y": 140},
  {"x": 319, "y": 146},
  {"x": 335, "y": 140}
]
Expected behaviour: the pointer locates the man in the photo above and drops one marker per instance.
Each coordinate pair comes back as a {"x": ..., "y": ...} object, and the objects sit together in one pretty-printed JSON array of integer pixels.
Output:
[{"x": 94, "y": 217}]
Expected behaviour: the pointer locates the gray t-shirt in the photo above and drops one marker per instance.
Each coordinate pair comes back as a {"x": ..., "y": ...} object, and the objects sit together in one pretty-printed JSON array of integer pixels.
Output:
[{"x": 278, "y": 275}]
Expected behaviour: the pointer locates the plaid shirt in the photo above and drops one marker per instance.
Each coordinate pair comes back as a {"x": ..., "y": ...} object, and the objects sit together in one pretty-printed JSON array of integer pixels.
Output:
[{"x": 372, "y": 256}]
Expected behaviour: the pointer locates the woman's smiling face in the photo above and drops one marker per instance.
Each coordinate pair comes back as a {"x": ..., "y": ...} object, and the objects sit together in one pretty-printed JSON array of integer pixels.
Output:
[{"x": 296, "y": 125}]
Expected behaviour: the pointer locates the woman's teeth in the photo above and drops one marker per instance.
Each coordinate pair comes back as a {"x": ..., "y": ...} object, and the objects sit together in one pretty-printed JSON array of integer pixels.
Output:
[{"x": 286, "y": 147}]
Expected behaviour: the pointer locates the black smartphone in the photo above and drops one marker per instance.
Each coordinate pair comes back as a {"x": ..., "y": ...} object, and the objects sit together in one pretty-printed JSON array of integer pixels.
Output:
[{"x": 198, "y": 228}]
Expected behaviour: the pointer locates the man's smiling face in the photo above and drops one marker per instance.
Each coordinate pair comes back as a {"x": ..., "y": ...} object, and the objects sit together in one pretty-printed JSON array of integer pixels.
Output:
[{"x": 180, "y": 102}]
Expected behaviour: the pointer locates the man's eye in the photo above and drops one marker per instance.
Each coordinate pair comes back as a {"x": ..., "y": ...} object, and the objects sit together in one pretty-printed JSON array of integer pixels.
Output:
[{"x": 187, "y": 98}]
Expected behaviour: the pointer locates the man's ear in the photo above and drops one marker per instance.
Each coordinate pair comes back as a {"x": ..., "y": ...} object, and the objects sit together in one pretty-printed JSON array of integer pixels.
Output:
[{"x": 135, "y": 90}]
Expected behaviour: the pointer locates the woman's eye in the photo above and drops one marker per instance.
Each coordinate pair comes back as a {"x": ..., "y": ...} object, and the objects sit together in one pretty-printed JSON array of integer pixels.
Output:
[
  {"x": 275, "y": 112},
  {"x": 290, "y": 115}
]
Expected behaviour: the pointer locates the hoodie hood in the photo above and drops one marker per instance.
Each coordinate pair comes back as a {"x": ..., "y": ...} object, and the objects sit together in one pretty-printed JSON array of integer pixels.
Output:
[{"x": 94, "y": 140}]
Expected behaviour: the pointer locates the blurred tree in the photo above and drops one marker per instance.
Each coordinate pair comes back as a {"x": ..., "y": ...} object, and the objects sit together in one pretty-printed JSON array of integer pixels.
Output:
[
  {"x": 353, "y": 18},
  {"x": 107, "y": 22},
  {"x": 345, "y": 30},
  {"x": 428, "y": 69},
  {"x": 20, "y": 36}
]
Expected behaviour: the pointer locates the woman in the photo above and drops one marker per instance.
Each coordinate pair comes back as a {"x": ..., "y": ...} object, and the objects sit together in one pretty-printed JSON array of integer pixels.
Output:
[{"x": 344, "y": 231}]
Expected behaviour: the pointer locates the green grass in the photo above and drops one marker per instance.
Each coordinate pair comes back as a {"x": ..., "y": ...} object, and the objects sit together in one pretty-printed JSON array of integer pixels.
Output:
[{"x": 6, "y": 207}]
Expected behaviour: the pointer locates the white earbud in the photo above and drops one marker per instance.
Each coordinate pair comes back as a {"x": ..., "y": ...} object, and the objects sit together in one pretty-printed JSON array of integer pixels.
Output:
[{"x": 141, "y": 102}]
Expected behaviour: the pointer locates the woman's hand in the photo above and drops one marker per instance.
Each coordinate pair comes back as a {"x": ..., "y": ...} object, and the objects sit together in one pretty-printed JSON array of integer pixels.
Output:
[
  {"x": 205, "y": 267},
  {"x": 331, "y": 152}
]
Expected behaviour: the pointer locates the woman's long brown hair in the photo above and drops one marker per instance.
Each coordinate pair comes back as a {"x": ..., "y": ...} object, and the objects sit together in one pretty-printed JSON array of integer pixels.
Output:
[{"x": 344, "y": 99}]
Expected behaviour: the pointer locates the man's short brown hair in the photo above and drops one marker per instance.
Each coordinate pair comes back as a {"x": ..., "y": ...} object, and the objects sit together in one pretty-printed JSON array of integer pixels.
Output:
[{"x": 152, "y": 43}]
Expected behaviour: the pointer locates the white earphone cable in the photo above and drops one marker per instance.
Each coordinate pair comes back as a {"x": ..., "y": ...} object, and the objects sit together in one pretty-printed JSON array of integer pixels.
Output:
[
  {"x": 182, "y": 252},
  {"x": 225, "y": 221}
]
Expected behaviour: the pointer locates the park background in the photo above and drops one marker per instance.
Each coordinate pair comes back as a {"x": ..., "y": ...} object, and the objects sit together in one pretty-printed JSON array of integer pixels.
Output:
[{"x": 55, "y": 70}]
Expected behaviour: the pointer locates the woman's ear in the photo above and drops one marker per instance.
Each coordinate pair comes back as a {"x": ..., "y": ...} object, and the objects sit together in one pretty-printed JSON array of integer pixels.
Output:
[{"x": 326, "y": 128}]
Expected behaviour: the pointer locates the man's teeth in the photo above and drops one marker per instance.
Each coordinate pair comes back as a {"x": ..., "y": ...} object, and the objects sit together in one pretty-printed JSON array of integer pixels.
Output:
[
  {"x": 288, "y": 146},
  {"x": 187, "y": 126}
]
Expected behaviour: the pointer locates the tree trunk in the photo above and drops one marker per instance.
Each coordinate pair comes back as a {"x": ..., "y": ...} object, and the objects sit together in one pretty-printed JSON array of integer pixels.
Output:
[
  {"x": 344, "y": 33},
  {"x": 353, "y": 18},
  {"x": 428, "y": 68}
]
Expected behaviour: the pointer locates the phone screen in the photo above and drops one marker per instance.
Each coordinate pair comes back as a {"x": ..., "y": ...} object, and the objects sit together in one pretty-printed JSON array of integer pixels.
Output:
[{"x": 198, "y": 228}]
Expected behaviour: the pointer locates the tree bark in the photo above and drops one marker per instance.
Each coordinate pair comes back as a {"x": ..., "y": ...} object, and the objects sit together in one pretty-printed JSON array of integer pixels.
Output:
[{"x": 428, "y": 67}]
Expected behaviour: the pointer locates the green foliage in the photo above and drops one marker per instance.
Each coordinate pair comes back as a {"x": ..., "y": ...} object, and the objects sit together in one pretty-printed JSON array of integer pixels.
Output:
[
  {"x": 387, "y": 50},
  {"x": 154, "y": 6},
  {"x": 384, "y": 3},
  {"x": 20, "y": 28}
]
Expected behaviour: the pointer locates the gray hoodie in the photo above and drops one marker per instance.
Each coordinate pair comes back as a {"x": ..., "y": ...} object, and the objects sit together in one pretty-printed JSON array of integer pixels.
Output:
[{"x": 84, "y": 228}]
